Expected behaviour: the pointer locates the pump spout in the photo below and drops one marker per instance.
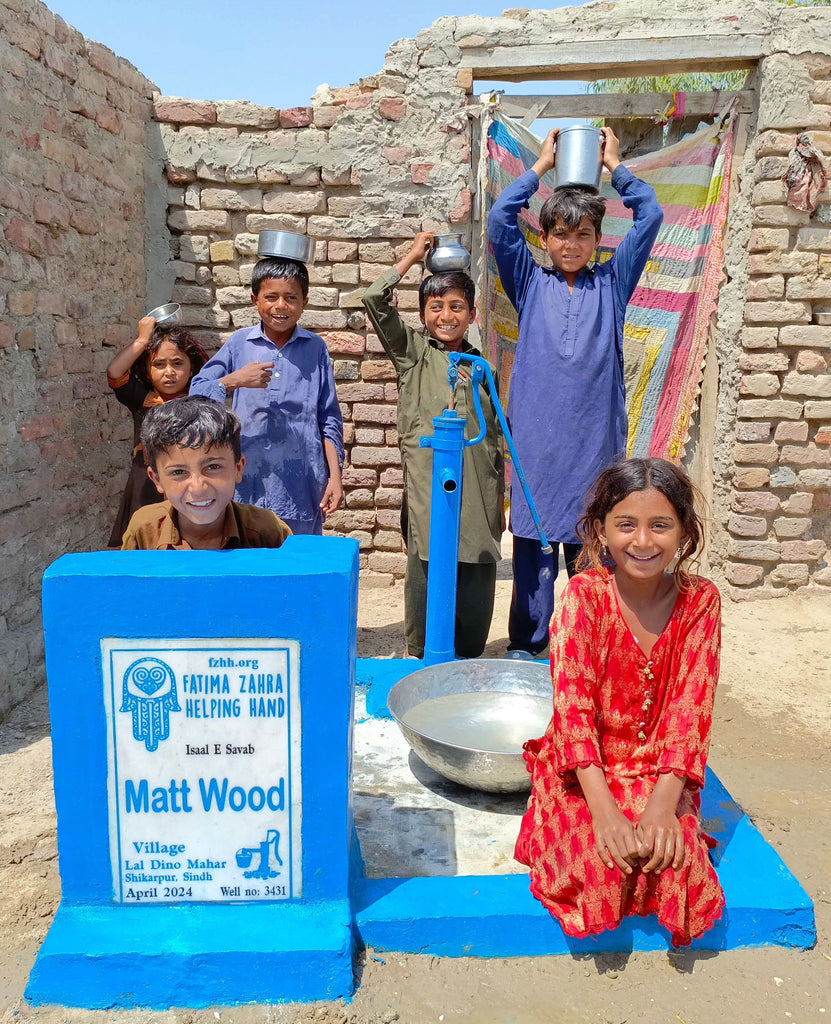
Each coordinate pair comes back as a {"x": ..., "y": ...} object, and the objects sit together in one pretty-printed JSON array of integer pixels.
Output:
[
  {"x": 448, "y": 480},
  {"x": 482, "y": 371}
]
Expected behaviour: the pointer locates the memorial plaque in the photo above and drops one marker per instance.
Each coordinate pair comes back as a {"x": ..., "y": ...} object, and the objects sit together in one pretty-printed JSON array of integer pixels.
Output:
[{"x": 204, "y": 778}]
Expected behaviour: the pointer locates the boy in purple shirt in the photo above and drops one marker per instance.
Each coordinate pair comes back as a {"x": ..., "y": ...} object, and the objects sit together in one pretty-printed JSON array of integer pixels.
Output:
[
  {"x": 283, "y": 388},
  {"x": 566, "y": 402}
]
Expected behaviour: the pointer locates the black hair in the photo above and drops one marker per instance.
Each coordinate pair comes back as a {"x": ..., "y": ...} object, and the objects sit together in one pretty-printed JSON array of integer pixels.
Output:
[
  {"x": 189, "y": 422},
  {"x": 439, "y": 284},
  {"x": 623, "y": 478},
  {"x": 571, "y": 204},
  {"x": 277, "y": 266},
  {"x": 182, "y": 339}
]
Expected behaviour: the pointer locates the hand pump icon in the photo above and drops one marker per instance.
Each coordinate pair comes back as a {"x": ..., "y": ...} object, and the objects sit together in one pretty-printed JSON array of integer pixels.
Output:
[{"x": 263, "y": 870}]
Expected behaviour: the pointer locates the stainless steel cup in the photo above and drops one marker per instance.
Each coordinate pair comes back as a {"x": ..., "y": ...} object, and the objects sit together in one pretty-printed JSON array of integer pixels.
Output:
[{"x": 166, "y": 315}]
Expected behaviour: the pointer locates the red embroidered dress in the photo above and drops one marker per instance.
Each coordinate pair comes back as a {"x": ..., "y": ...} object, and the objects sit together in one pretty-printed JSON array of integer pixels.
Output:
[{"x": 635, "y": 717}]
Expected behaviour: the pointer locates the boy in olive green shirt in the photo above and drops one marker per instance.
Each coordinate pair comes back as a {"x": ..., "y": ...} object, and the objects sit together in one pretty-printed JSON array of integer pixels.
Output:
[{"x": 446, "y": 304}]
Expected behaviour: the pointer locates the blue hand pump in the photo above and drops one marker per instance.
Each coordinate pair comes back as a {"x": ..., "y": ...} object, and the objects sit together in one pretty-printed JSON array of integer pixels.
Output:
[{"x": 448, "y": 444}]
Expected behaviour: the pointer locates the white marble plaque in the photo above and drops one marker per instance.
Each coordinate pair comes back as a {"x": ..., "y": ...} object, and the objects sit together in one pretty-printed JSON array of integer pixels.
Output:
[{"x": 203, "y": 741}]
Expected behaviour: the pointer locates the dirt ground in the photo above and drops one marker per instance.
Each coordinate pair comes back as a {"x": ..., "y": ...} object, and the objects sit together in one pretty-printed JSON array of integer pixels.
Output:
[{"x": 770, "y": 747}]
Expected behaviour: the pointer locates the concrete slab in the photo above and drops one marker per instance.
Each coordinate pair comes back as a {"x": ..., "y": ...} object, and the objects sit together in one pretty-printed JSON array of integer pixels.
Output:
[
  {"x": 452, "y": 888},
  {"x": 413, "y": 822}
]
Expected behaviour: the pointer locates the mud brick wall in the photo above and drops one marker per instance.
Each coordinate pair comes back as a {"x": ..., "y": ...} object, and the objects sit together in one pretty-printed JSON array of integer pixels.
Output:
[
  {"x": 361, "y": 170},
  {"x": 72, "y": 280},
  {"x": 364, "y": 167},
  {"x": 777, "y": 512},
  {"x": 112, "y": 199}
]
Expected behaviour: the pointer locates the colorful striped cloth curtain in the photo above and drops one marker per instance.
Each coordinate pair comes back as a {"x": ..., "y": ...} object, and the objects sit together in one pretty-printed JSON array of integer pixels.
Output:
[{"x": 667, "y": 321}]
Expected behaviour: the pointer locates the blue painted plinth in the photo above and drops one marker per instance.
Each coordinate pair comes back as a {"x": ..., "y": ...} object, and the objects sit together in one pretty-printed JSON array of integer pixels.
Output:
[
  {"x": 101, "y": 952},
  {"x": 196, "y": 955},
  {"x": 496, "y": 915}
]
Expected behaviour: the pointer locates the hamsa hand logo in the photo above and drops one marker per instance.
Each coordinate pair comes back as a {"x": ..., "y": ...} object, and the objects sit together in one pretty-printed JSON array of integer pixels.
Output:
[{"x": 149, "y": 692}]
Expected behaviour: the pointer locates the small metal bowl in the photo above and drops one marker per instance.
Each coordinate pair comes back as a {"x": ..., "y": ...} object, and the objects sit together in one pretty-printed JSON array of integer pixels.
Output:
[
  {"x": 467, "y": 720},
  {"x": 286, "y": 244},
  {"x": 166, "y": 315}
]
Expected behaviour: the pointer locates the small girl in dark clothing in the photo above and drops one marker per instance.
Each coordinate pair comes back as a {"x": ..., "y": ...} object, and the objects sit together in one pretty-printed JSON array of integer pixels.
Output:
[{"x": 154, "y": 368}]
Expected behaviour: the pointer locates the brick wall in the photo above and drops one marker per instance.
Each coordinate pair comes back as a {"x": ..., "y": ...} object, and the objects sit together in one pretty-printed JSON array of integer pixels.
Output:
[
  {"x": 778, "y": 511},
  {"x": 72, "y": 279},
  {"x": 365, "y": 167},
  {"x": 361, "y": 170}
]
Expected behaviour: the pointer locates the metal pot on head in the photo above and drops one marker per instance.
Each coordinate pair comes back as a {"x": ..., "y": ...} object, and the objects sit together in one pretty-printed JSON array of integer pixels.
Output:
[
  {"x": 447, "y": 254},
  {"x": 287, "y": 245},
  {"x": 578, "y": 159}
]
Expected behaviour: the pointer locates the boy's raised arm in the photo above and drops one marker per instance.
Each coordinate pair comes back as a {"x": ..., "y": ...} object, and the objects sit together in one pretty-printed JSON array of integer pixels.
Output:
[
  {"x": 632, "y": 254},
  {"x": 377, "y": 300},
  {"x": 545, "y": 161},
  {"x": 510, "y": 250}
]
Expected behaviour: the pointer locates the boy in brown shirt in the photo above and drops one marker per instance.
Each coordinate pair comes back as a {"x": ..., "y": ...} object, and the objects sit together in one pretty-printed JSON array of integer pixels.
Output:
[{"x": 192, "y": 447}]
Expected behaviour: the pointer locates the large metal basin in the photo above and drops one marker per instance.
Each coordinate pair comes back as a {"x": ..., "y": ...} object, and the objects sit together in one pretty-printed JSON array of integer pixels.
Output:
[{"x": 468, "y": 720}]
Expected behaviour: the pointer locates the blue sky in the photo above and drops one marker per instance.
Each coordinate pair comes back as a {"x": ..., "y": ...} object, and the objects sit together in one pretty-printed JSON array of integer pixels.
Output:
[{"x": 274, "y": 54}]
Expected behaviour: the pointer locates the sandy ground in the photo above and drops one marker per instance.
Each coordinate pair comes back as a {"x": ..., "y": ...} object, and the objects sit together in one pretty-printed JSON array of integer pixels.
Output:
[{"x": 770, "y": 748}]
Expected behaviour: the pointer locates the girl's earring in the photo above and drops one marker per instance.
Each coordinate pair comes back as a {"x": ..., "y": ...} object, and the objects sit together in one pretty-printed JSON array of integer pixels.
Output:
[{"x": 604, "y": 551}]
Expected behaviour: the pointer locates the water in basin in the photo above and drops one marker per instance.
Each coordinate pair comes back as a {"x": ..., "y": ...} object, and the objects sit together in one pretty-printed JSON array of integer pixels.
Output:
[{"x": 481, "y": 720}]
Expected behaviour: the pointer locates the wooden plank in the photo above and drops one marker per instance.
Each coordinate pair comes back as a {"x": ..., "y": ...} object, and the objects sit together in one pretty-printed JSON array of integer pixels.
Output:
[
  {"x": 698, "y": 104},
  {"x": 615, "y": 58},
  {"x": 534, "y": 111}
]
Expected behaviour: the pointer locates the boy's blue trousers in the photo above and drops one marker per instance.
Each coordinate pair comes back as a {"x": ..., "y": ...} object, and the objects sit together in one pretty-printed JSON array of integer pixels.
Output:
[{"x": 532, "y": 600}]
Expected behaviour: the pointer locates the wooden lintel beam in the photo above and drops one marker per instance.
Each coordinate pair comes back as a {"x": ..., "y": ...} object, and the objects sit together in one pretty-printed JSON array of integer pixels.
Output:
[
  {"x": 698, "y": 104},
  {"x": 614, "y": 58}
]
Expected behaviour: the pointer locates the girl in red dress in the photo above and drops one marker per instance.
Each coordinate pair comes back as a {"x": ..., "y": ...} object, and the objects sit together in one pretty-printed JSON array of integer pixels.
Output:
[{"x": 613, "y": 824}]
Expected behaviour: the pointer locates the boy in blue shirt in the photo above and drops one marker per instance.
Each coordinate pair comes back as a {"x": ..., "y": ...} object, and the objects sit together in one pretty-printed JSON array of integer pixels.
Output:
[
  {"x": 283, "y": 390},
  {"x": 566, "y": 402}
]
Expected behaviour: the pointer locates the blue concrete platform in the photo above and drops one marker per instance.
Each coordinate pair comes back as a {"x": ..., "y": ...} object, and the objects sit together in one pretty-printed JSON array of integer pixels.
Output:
[
  {"x": 377, "y": 676},
  {"x": 496, "y": 915},
  {"x": 194, "y": 955}
]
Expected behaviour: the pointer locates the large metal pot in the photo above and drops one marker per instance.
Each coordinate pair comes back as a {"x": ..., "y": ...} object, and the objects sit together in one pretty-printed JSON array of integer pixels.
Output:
[
  {"x": 286, "y": 244},
  {"x": 446, "y": 254},
  {"x": 578, "y": 158},
  {"x": 468, "y": 720}
]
